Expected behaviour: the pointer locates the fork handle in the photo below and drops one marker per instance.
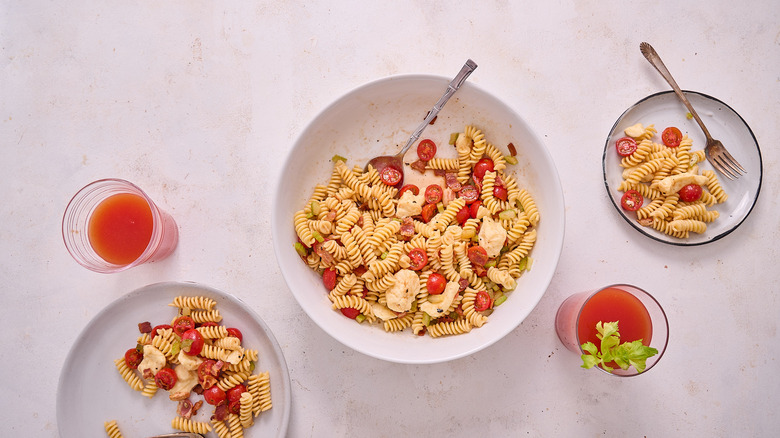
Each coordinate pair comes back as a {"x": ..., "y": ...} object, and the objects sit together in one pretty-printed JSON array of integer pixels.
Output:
[{"x": 649, "y": 52}]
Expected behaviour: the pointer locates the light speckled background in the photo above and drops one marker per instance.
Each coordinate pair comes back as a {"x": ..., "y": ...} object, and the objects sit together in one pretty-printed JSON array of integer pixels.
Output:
[{"x": 198, "y": 102}]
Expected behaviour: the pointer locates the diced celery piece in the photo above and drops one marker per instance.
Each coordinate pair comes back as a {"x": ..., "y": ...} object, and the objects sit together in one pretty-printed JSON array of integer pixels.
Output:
[
  {"x": 426, "y": 319},
  {"x": 510, "y": 159},
  {"x": 454, "y": 137},
  {"x": 440, "y": 207},
  {"x": 317, "y": 236},
  {"x": 523, "y": 263},
  {"x": 384, "y": 255},
  {"x": 360, "y": 318},
  {"x": 338, "y": 157},
  {"x": 490, "y": 264},
  {"x": 300, "y": 249},
  {"x": 315, "y": 208},
  {"x": 499, "y": 301},
  {"x": 507, "y": 214}
]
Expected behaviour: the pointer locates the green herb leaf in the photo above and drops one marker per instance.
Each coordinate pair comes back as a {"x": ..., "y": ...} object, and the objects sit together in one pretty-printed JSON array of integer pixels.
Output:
[{"x": 627, "y": 354}]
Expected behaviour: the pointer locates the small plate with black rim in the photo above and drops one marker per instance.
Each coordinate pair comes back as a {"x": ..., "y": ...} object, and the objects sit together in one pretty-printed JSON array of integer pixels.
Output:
[{"x": 665, "y": 109}]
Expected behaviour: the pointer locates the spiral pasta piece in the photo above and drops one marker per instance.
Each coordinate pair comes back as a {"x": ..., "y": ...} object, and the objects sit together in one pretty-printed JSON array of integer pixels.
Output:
[
  {"x": 129, "y": 375},
  {"x": 714, "y": 187},
  {"x": 112, "y": 429},
  {"x": 449, "y": 328},
  {"x": 187, "y": 425},
  {"x": 206, "y": 316},
  {"x": 398, "y": 324},
  {"x": 198, "y": 302},
  {"x": 474, "y": 318},
  {"x": 220, "y": 428},
  {"x": 260, "y": 387}
]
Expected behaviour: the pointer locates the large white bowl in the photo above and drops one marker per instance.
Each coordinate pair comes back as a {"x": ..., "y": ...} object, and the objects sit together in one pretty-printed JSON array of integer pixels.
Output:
[{"x": 376, "y": 119}]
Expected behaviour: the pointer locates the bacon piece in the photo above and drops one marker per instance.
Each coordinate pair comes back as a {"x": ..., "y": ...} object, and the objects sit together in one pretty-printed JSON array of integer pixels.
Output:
[
  {"x": 145, "y": 327},
  {"x": 184, "y": 409},
  {"x": 463, "y": 284},
  {"x": 512, "y": 150},
  {"x": 220, "y": 412},
  {"x": 407, "y": 227},
  {"x": 451, "y": 179},
  {"x": 325, "y": 255},
  {"x": 419, "y": 166}
]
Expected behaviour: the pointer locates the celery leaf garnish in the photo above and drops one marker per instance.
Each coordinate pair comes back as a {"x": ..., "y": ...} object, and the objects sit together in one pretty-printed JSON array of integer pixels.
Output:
[{"x": 611, "y": 350}]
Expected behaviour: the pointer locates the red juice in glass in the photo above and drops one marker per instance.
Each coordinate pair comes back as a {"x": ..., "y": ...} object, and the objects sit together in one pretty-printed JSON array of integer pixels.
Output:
[
  {"x": 120, "y": 228},
  {"x": 638, "y": 314},
  {"x": 613, "y": 304}
]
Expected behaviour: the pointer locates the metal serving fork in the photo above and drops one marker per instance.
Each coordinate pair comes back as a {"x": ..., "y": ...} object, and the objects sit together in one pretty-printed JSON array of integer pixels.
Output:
[{"x": 716, "y": 153}]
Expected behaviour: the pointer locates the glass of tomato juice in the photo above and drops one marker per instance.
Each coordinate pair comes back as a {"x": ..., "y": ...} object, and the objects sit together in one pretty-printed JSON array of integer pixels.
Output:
[
  {"x": 111, "y": 225},
  {"x": 639, "y": 316}
]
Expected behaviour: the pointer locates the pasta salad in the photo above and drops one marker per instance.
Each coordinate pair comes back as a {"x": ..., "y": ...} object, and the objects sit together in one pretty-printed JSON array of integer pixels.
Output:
[
  {"x": 436, "y": 260},
  {"x": 667, "y": 174},
  {"x": 196, "y": 355}
]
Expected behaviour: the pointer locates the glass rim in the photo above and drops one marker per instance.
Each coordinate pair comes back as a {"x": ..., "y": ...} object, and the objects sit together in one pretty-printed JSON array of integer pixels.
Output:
[
  {"x": 665, "y": 324},
  {"x": 109, "y": 267}
]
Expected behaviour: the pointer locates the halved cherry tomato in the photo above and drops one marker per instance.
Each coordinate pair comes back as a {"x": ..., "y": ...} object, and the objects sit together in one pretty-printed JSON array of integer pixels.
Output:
[
  {"x": 329, "y": 278},
  {"x": 625, "y": 146},
  {"x": 214, "y": 395},
  {"x": 161, "y": 327},
  {"x": 391, "y": 176},
  {"x": 428, "y": 212},
  {"x": 690, "y": 193},
  {"x": 435, "y": 283},
  {"x": 192, "y": 342},
  {"x": 182, "y": 324},
  {"x": 482, "y": 166},
  {"x": 232, "y": 331},
  {"x": 350, "y": 312},
  {"x": 631, "y": 200},
  {"x": 207, "y": 373},
  {"x": 469, "y": 193},
  {"x": 433, "y": 194},
  {"x": 474, "y": 208},
  {"x": 500, "y": 192},
  {"x": 671, "y": 137},
  {"x": 477, "y": 255},
  {"x": 207, "y": 324},
  {"x": 234, "y": 407},
  {"x": 234, "y": 393},
  {"x": 426, "y": 149},
  {"x": 410, "y": 187},
  {"x": 482, "y": 301},
  {"x": 462, "y": 215},
  {"x": 165, "y": 378},
  {"x": 419, "y": 259},
  {"x": 133, "y": 357}
]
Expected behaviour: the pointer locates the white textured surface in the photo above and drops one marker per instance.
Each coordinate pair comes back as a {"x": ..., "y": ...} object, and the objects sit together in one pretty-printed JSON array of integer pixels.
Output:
[{"x": 198, "y": 101}]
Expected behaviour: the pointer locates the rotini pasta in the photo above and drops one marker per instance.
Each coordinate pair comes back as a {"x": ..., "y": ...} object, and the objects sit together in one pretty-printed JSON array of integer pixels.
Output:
[
  {"x": 377, "y": 265},
  {"x": 177, "y": 359},
  {"x": 669, "y": 177}
]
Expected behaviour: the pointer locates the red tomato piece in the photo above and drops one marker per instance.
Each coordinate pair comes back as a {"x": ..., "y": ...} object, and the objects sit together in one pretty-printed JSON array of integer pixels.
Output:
[
  {"x": 232, "y": 331},
  {"x": 474, "y": 208},
  {"x": 350, "y": 312},
  {"x": 329, "y": 278},
  {"x": 191, "y": 342},
  {"x": 182, "y": 324},
  {"x": 477, "y": 255},
  {"x": 433, "y": 194},
  {"x": 426, "y": 149},
  {"x": 482, "y": 301},
  {"x": 234, "y": 407},
  {"x": 671, "y": 137},
  {"x": 165, "y": 378},
  {"x": 469, "y": 193},
  {"x": 133, "y": 357},
  {"x": 436, "y": 283},
  {"x": 631, "y": 200},
  {"x": 234, "y": 393},
  {"x": 625, "y": 146},
  {"x": 207, "y": 373},
  {"x": 410, "y": 187},
  {"x": 462, "y": 215},
  {"x": 428, "y": 212},
  {"x": 419, "y": 259},
  {"x": 391, "y": 176},
  {"x": 160, "y": 327},
  {"x": 690, "y": 193},
  {"x": 214, "y": 395},
  {"x": 482, "y": 166},
  {"x": 500, "y": 192}
]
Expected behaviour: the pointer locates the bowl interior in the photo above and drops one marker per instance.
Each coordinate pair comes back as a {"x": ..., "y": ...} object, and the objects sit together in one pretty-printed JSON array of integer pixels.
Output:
[{"x": 377, "y": 119}]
